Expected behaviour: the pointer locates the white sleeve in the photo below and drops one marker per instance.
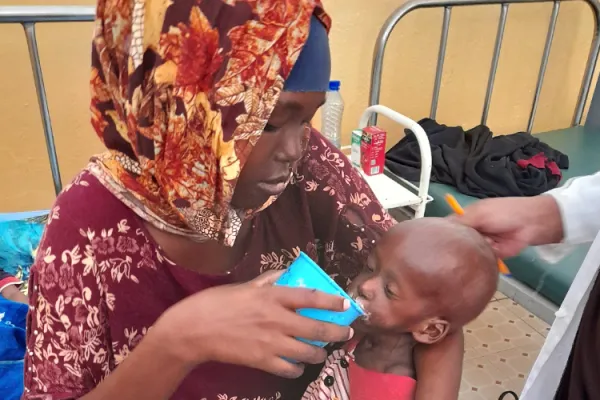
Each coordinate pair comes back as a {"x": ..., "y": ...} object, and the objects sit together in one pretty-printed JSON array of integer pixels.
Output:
[{"x": 579, "y": 204}]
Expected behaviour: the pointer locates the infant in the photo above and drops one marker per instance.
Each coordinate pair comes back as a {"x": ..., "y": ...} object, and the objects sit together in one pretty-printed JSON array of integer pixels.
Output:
[{"x": 425, "y": 279}]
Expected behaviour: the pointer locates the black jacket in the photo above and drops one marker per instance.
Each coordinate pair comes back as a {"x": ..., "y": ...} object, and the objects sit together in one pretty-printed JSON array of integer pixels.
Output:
[{"x": 478, "y": 163}]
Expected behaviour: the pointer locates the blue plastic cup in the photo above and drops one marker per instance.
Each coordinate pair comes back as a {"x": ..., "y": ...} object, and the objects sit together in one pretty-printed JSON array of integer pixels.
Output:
[{"x": 304, "y": 273}]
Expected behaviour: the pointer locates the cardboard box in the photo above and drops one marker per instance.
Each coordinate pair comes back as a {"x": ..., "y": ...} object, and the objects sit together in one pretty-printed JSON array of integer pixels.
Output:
[
  {"x": 355, "y": 147},
  {"x": 372, "y": 150}
]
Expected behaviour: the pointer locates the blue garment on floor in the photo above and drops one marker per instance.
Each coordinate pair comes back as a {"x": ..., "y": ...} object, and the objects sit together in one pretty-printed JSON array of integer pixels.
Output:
[{"x": 12, "y": 348}]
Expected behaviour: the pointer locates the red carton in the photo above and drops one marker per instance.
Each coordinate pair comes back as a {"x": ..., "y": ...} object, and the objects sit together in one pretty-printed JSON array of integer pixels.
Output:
[{"x": 372, "y": 150}]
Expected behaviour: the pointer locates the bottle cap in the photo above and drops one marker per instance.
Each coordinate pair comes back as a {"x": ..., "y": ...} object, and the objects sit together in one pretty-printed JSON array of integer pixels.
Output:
[{"x": 334, "y": 86}]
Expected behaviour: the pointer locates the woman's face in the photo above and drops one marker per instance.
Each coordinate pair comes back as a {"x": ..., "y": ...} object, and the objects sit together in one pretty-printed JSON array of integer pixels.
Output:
[{"x": 268, "y": 169}]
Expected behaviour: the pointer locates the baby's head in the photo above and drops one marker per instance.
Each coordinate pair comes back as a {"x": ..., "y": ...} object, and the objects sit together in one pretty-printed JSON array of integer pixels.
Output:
[{"x": 427, "y": 276}]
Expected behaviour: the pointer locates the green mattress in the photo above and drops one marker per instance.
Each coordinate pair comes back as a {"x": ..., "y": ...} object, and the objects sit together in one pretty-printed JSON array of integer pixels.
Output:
[{"x": 582, "y": 145}]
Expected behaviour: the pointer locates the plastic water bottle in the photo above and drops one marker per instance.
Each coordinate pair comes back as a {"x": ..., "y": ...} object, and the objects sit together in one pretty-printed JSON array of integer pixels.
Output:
[{"x": 332, "y": 114}]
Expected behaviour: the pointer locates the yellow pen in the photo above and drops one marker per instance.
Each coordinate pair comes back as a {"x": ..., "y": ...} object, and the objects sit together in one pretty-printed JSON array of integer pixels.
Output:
[{"x": 458, "y": 210}]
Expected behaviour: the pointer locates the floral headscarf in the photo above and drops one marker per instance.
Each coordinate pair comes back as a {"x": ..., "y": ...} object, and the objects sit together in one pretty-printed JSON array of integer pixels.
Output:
[{"x": 181, "y": 92}]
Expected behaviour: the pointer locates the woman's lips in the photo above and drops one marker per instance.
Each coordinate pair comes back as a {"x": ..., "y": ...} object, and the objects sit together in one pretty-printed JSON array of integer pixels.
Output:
[{"x": 273, "y": 188}]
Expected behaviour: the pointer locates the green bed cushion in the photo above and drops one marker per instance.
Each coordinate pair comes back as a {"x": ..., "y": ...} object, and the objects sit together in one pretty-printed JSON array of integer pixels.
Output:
[{"x": 551, "y": 280}]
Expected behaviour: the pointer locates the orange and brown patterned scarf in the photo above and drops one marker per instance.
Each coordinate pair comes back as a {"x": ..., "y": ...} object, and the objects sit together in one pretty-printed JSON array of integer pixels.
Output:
[{"x": 181, "y": 92}]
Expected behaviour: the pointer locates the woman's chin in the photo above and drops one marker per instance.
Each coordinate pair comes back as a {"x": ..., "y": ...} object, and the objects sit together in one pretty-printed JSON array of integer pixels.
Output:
[{"x": 253, "y": 200}]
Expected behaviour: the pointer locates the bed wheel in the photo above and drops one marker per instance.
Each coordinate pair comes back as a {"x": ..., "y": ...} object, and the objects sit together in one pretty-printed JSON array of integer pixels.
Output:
[{"x": 503, "y": 395}]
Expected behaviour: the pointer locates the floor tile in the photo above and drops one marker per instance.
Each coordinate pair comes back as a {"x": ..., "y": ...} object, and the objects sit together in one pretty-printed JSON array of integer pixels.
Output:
[
  {"x": 498, "y": 329},
  {"x": 477, "y": 375},
  {"x": 499, "y": 296},
  {"x": 471, "y": 352},
  {"x": 489, "y": 376},
  {"x": 515, "y": 308},
  {"x": 471, "y": 396},
  {"x": 537, "y": 324},
  {"x": 514, "y": 363},
  {"x": 500, "y": 349}
]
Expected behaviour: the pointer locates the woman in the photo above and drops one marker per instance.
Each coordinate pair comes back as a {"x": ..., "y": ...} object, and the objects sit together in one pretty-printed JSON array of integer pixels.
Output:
[{"x": 212, "y": 177}]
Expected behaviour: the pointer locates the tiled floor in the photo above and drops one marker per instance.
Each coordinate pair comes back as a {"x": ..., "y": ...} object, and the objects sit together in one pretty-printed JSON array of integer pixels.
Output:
[{"x": 501, "y": 346}]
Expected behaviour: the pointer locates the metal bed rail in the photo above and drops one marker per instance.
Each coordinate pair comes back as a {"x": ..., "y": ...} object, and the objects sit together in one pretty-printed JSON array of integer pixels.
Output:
[
  {"x": 411, "y": 5},
  {"x": 28, "y": 17}
]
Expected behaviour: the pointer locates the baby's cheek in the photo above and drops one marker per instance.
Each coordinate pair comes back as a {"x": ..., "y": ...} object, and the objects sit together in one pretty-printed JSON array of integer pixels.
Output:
[
  {"x": 380, "y": 319},
  {"x": 383, "y": 317}
]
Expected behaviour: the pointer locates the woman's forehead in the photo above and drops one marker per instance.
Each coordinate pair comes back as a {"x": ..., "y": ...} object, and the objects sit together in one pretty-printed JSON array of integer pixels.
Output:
[{"x": 298, "y": 102}]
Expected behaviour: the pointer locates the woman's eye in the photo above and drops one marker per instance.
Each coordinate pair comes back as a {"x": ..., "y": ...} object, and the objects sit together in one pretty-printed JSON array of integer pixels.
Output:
[
  {"x": 388, "y": 291},
  {"x": 270, "y": 128}
]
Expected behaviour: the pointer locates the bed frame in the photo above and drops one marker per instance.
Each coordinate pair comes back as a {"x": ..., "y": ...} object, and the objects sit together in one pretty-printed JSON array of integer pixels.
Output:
[
  {"x": 28, "y": 17},
  {"x": 512, "y": 288},
  {"x": 411, "y": 5}
]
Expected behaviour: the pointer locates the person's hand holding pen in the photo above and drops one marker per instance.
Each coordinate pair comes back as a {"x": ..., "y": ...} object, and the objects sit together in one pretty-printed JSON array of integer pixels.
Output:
[
  {"x": 458, "y": 210},
  {"x": 513, "y": 223}
]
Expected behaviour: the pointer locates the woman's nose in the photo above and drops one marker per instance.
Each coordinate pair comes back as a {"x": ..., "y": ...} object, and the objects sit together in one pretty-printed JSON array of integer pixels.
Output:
[{"x": 292, "y": 144}]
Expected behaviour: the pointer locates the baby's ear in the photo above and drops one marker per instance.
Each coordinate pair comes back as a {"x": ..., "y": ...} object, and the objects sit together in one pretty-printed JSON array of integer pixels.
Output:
[{"x": 431, "y": 331}]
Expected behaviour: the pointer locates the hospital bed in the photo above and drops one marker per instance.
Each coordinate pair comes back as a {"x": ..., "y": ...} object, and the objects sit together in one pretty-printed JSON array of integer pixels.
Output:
[{"x": 535, "y": 284}]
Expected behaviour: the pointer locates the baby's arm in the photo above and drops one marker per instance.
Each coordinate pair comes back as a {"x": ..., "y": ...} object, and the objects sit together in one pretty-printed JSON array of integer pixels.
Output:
[{"x": 441, "y": 379}]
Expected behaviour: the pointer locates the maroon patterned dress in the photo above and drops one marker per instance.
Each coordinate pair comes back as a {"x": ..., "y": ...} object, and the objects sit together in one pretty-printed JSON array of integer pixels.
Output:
[{"x": 100, "y": 281}]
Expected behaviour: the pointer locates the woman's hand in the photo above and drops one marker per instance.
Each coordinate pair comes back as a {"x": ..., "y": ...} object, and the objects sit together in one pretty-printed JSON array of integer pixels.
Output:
[
  {"x": 252, "y": 324},
  {"x": 513, "y": 223}
]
